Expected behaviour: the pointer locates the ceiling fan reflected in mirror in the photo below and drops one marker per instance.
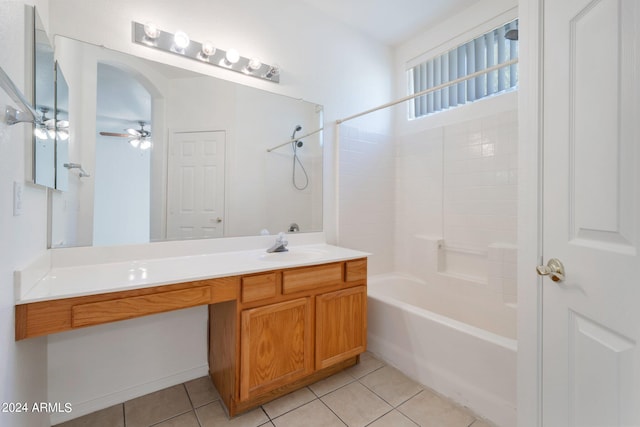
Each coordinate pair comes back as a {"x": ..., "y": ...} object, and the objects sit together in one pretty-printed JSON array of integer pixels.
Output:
[{"x": 140, "y": 138}]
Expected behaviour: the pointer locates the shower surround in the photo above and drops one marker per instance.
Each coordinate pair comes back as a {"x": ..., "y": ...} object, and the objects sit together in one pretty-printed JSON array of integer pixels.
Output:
[{"x": 437, "y": 207}]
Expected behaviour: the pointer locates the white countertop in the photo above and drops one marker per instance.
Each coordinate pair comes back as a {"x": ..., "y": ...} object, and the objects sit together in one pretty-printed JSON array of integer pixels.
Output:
[{"x": 90, "y": 279}]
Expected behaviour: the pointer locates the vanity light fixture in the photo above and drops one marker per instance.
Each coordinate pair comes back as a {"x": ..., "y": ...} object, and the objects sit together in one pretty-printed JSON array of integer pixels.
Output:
[
  {"x": 151, "y": 32},
  {"x": 253, "y": 65},
  {"x": 179, "y": 43},
  {"x": 231, "y": 57},
  {"x": 208, "y": 49},
  {"x": 273, "y": 72}
]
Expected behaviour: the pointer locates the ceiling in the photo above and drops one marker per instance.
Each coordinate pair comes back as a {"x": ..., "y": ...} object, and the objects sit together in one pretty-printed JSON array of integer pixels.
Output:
[{"x": 390, "y": 22}]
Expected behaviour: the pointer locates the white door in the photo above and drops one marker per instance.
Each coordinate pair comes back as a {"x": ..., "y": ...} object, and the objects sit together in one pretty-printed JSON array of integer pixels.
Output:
[
  {"x": 195, "y": 186},
  {"x": 591, "y": 220}
]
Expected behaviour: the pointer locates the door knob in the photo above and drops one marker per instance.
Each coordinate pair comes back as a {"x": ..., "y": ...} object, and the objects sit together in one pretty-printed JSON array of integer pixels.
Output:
[{"x": 553, "y": 269}]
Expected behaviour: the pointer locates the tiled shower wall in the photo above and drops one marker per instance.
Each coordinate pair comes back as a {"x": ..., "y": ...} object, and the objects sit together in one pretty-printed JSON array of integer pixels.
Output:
[
  {"x": 454, "y": 184},
  {"x": 457, "y": 184},
  {"x": 366, "y": 200},
  {"x": 480, "y": 182}
]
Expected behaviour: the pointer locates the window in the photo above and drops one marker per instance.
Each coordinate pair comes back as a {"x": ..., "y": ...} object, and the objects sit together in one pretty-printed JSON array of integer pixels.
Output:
[{"x": 486, "y": 51}]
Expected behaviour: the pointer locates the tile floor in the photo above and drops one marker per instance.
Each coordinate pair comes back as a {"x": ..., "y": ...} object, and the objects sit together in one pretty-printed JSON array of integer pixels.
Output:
[{"x": 368, "y": 394}]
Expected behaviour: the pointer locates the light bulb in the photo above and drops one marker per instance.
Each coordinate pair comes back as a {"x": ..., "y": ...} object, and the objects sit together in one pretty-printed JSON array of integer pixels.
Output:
[
  {"x": 62, "y": 124},
  {"x": 145, "y": 144},
  {"x": 134, "y": 142},
  {"x": 254, "y": 64},
  {"x": 208, "y": 49},
  {"x": 181, "y": 40},
  {"x": 63, "y": 135},
  {"x": 232, "y": 56},
  {"x": 40, "y": 133},
  {"x": 151, "y": 31}
]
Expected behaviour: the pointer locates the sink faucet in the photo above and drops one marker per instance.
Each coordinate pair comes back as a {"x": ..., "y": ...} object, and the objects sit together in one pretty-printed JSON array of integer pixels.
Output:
[{"x": 280, "y": 245}]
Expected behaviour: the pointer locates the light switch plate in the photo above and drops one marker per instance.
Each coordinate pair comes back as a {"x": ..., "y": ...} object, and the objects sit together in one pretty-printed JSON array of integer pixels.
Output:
[{"x": 18, "y": 188}]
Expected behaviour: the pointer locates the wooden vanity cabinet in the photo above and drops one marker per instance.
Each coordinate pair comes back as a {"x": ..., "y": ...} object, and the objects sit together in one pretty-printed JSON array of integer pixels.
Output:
[
  {"x": 276, "y": 346},
  {"x": 341, "y": 318},
  {"x": 290, "y": 328}
]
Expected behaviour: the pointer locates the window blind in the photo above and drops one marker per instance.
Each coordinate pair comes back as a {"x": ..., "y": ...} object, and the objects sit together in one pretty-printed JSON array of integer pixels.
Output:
[{"x": 488, "y": 50}]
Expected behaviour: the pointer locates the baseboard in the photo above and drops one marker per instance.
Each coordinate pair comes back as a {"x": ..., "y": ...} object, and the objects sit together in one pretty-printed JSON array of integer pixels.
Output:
[{"x": 83, "y": 408}]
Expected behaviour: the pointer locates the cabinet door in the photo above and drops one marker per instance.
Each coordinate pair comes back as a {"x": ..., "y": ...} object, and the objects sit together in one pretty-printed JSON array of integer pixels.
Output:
[
  {"x": 341, "y": 325},
  {"x": 276, "y": 346}
]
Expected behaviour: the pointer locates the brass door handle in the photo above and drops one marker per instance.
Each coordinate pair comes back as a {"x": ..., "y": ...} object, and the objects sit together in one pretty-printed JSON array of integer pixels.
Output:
[{"x": 553, "y": 269}]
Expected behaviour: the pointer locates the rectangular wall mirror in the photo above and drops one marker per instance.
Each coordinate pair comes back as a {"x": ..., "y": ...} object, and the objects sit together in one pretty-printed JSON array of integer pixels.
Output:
[{"x": 172, "y": 154}]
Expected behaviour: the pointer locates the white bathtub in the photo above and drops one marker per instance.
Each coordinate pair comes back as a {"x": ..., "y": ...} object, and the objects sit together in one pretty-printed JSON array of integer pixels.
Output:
[{"x": 411, "y": 325}]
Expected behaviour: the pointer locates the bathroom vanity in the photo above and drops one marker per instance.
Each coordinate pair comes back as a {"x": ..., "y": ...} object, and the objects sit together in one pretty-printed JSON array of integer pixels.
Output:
[
  {"x": 288, "y": 328},
  {"x": 276, "y": 321}
]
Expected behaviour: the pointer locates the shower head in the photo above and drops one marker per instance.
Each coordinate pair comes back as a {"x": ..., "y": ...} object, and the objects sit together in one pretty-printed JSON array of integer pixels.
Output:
[
  {"x": 511, "y": 34},
  {"x": 297, "y": 143}
]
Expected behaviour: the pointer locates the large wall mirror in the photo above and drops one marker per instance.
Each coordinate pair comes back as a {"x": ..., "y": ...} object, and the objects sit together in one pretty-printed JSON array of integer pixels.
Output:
[{"x": 172, "y": 154}]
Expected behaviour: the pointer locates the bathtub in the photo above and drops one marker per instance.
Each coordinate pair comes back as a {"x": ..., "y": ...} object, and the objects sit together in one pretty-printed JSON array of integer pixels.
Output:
[{"x": 465, "y": 350}]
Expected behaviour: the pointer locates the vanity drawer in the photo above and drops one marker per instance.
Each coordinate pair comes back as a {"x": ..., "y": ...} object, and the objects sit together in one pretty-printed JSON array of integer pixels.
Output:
[
  {"x": 259, "y": 287},
  {"x": 309, "y": 278},
  {"x": 356, "y": 270},
  {"x": 127, "y": 308}
]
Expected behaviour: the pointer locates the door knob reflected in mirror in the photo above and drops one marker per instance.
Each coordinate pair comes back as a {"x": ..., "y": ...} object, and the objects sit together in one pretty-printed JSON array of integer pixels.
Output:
[{"x": 553, "y": 269}]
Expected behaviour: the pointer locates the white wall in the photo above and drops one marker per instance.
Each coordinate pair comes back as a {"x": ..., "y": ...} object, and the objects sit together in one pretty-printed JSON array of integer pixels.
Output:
[
  {"x": 322, "y": 61},
  {"x": 23, "y": 375}
]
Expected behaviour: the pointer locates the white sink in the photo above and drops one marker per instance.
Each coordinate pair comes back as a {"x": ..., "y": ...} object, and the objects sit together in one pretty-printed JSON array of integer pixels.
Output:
[{"x": 294, "y": 255}]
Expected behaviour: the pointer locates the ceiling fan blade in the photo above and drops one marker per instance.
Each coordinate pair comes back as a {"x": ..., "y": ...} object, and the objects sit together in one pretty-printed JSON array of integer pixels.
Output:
[{"x": 120, "y": 135}]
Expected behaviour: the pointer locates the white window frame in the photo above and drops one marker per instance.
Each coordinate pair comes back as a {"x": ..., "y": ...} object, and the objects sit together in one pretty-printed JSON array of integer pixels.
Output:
[{"x": 465, "y": 59}]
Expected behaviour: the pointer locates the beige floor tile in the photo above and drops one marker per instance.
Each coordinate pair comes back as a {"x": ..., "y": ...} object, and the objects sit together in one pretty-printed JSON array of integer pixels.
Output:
[
  {"x": 356, "y": 405},
  {"x": 393, "y": 419},
  {"x": 313, "y": 414},
  {"x": 109, "y": 417},
  {"x": 430, "y": 410},
  {"x": 331, "y": 383},
  {"x": 156, "y": 407},
  {"x": 368, "y": 363},
  {"x": 213, "y": 415},
  {"x": 391, "y": 385},
  {"x": 201, "y": 391},
  {"x": 288, "y": 402},
  {"x": 185, "y": 420}
]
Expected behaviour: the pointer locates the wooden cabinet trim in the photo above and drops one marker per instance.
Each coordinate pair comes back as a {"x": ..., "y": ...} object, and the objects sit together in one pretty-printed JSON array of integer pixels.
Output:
[
  {"x": 96, "y": 313},
  {"x": 259, "y": 287},
  {"x": 355, "y": 270},
  {"x": 48, "y": 317},
  {"x": 311, "y": 278}
]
